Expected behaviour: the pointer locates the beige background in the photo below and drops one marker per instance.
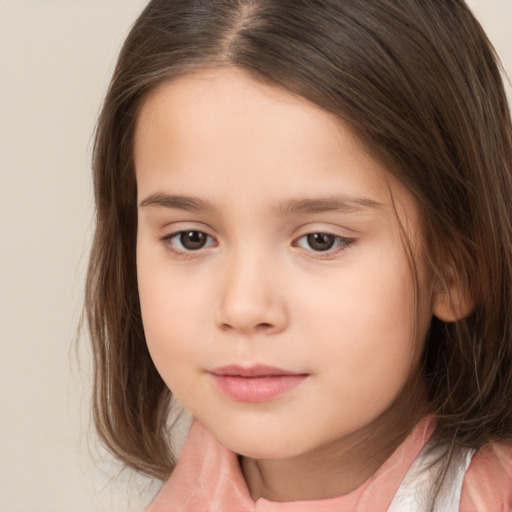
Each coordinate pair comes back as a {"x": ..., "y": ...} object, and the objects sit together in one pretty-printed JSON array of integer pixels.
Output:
[{"x": 56, "y": 57}]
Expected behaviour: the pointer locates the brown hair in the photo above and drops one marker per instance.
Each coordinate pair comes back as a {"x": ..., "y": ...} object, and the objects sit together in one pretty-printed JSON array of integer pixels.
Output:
[{"x": 418, "y": 81}]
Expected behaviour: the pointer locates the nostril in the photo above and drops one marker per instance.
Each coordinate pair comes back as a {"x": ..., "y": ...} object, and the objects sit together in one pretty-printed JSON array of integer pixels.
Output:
[{"x": 264, "y": 326}]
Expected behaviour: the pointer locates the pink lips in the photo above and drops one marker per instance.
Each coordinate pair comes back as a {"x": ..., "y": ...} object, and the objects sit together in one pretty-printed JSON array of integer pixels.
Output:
[{"x": 255, "y": 383}]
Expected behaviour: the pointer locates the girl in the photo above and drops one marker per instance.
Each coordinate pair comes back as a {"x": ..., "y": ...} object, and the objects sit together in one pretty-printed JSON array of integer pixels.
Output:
[{"x": 304, "y": 234}]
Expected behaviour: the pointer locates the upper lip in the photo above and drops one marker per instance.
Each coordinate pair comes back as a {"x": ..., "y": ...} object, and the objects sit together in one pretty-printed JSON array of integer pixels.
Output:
[{"x": 251, "y": 371}]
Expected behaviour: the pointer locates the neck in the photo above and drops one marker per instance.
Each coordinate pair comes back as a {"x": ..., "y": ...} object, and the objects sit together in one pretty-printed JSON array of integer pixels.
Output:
[{"x": 341, "y": 466}]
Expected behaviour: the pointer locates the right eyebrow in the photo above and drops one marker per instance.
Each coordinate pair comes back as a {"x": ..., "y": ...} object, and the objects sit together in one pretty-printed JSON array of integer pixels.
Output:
[{"x": 177, "y": 202}]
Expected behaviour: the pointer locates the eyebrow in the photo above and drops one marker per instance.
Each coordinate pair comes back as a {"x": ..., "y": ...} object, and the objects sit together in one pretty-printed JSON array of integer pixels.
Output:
[
  {"x": 177, "y": 202},
  {"x": 344, "y": 204}
]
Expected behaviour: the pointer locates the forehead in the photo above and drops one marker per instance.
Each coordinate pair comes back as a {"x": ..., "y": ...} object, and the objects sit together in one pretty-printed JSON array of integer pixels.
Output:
[
  {"x": 225, "y": 109},
  {"x": 232, "y": 138}
]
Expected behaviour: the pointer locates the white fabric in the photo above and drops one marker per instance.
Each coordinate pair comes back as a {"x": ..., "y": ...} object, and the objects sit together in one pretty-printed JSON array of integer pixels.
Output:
[{"x": 414, "y": 493}]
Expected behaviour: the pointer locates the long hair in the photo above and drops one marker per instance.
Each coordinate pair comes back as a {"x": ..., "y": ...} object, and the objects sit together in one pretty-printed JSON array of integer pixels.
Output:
[{"x": 419, "y": 83}]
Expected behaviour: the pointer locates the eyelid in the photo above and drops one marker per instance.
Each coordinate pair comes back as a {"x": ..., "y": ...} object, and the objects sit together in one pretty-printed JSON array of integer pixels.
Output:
[
  {"x": 343, "y": 244},
  {"x": 167, "y": 240}
]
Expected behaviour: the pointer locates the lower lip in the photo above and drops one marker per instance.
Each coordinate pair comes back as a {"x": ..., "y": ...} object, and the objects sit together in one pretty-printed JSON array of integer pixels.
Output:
[{"x": 256, "y": 389}]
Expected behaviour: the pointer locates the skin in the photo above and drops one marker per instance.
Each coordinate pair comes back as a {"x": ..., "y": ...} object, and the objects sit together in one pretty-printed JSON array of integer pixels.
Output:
[{"x": 257, "y": 292}]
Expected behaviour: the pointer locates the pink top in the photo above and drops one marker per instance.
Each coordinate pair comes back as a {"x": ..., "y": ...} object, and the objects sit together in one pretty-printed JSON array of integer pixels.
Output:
[{"x": 208, "y": 478}]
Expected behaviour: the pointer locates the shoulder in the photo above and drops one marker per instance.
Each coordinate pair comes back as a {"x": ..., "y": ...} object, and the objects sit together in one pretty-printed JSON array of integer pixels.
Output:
[{"x": 488, "y": 481}]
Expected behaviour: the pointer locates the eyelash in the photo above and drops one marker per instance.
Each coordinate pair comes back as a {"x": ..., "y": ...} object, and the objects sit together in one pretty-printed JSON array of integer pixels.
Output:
[
  {"x": 170, "y": 245},
  {"x": 340, "y": 243}
]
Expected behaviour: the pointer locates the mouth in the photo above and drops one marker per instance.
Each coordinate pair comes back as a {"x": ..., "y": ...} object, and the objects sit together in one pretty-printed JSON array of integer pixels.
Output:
[{"x": 255, "y": 383}]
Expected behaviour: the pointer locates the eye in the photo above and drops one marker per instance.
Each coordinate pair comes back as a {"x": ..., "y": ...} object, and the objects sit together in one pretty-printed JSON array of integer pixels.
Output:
[
  {"x": 188, "y": 241},
  {"x": 323, "y": 242}
]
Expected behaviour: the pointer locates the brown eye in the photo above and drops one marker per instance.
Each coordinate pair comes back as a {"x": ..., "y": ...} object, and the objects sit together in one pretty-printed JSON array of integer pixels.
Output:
[
  {"x": 326, "y": 245},
  {"x": 193, "y": 240},
  {"x": 321, "y": 241},
  {"x": 188, "y": 241}
]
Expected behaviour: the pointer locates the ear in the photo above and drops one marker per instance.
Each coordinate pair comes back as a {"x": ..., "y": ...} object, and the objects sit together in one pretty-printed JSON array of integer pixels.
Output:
[{"x": 453, "y": 301}]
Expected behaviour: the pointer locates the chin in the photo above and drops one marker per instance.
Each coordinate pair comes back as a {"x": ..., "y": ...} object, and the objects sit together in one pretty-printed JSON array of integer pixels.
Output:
[{"x": 261, "y": 444}]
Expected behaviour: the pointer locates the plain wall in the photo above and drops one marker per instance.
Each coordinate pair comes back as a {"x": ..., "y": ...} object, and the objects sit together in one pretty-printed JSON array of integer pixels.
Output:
[{"x": 56, "y": 57}]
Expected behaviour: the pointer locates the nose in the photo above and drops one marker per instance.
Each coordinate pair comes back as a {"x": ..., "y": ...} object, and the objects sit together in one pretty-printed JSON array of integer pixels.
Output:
[{"x": 251, "y": 299}]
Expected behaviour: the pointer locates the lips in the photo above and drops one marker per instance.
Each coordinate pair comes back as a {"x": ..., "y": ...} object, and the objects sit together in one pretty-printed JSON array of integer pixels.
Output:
[{"x": 255, "y": 383}]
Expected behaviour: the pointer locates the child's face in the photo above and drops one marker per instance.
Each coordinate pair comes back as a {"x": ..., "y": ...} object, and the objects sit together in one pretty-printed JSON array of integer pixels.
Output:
[{"x": 267, "y": 237}]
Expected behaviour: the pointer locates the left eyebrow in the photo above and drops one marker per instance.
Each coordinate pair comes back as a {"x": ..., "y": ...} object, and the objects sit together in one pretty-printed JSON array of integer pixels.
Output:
[{"x": 344, "y": 204}]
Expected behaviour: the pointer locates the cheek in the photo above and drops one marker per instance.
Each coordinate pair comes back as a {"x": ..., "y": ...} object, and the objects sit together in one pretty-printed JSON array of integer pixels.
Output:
[
  {"x": 365, "y": 321},
  {"x": 169, "y": 306}
]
